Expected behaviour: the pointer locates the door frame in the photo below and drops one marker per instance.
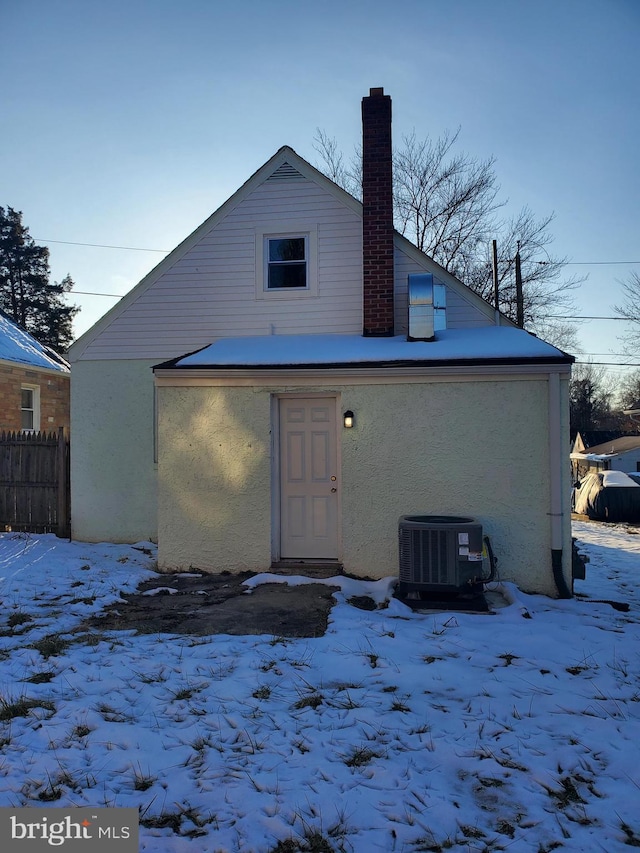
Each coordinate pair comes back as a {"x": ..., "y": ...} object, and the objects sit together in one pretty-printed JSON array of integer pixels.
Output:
[{"x": 276, "y": 519}]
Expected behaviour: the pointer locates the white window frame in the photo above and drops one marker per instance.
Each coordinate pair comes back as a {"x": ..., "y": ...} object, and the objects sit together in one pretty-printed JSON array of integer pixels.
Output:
[
  {"x": 280, "y": 231},
  {"x": 35, "y": 409}
]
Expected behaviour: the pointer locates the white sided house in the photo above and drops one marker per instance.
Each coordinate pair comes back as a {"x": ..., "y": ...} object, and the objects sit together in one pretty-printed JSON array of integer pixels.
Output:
[
  {"x": 264, "y": 395},
  {"x": 619, "y": 454}
]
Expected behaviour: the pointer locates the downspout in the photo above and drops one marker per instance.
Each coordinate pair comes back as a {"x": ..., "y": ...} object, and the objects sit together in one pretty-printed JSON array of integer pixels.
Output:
[{"x": 555, "y": 476}]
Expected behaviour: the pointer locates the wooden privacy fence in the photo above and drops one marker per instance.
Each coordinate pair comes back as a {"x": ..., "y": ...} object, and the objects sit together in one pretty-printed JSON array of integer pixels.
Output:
[{"x": 34, "y": 482}]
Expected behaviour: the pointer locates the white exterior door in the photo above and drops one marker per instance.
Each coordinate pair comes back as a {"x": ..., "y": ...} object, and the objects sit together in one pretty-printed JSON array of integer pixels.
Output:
[{"x": 308, "y": 479}]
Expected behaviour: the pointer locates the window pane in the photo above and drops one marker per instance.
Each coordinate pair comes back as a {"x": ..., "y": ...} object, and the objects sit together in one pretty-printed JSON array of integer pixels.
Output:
[
  {"x": 27, "y": 419},
  {"x": 287, "y": 275},
  {"x": 288, "y": 249},
  {"x": 27, "y": 398}
]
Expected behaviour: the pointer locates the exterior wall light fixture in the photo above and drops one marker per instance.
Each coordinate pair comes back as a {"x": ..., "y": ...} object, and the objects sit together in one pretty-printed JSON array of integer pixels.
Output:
[{"x": 349, "y": 419}]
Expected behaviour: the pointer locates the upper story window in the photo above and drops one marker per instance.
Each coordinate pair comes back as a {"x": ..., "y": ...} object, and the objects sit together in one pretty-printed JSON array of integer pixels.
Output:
[
  {"x": 286, "y": 262},
  {"x": 30, "y": 408}
]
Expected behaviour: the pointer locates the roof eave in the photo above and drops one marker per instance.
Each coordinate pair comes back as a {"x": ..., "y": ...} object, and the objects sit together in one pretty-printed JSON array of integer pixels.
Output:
[{"x": 513, "y": 361}]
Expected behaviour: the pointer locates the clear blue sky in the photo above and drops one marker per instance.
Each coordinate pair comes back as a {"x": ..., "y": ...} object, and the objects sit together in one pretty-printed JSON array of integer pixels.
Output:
[{"x": 128, "y": 123}]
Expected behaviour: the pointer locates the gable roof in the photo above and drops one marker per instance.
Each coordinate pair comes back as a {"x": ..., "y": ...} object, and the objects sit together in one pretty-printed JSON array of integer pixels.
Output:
[
  {"x": 612, "y": 448},
  {"x": 288, "y": 165},
  {"x": 583, "y": 439},
  {"x": 19, "y": 347}
]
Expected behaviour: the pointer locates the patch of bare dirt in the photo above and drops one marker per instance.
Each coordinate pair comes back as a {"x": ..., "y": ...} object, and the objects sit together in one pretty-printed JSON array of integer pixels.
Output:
[{"x": 219, "y": 604}]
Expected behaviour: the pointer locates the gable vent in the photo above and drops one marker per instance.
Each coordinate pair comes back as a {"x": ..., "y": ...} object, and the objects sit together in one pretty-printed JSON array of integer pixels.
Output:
[{"x": 286, "y": 173}]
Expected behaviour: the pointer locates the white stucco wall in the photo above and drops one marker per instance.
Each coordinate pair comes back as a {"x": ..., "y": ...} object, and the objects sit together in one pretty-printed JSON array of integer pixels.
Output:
[
  {"x": 214, "y": 486},
  {"x": 476, "y": 448},
  {"x": 455, "y": 448},
  {"x": 113, "y": 474}
]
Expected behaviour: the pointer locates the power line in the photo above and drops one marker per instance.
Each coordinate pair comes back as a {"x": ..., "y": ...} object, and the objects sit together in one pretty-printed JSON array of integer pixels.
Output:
[
  {"x": 610, "y": 363},
  {"x": 166, "y": 251},
  {"x": 592, "y": 317},
  {"x": 578, "y": 361},
  {"x": 553, "y": 316},
  {"x": 89, "y": 293},
  {"x": 585, "y": 263},
  {"x": 102, "y": 246}
]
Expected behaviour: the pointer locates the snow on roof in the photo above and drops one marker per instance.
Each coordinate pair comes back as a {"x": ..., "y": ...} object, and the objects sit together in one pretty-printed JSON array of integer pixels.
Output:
[
  {"x": 490, "y": 343},
  {"x": 592, "y": 457},
  {"x": 618, "y": 479},
  {"x": 16, "y": 344}
]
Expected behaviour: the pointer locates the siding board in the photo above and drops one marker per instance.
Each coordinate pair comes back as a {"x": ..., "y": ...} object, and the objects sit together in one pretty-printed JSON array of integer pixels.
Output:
[{"x": 211, "y": 292}]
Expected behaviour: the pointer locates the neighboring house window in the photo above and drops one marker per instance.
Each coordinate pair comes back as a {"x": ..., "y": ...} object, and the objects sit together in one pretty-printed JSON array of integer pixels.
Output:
[
  {"x": 286, "y": 262},
  {"x": 30, "y": 408}
]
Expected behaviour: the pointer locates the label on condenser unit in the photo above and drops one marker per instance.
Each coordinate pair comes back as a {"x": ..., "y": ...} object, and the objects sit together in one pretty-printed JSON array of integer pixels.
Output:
[{"x": 463, "y": 544}]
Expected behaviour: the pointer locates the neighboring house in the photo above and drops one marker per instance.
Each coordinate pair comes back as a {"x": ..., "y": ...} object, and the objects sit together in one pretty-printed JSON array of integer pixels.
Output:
[
  {"x": 618, "y": 454},
  {"x": 589, "y": 438},
  {"x": 34, "y": 382},
  {"x": 306, "y": 420}
]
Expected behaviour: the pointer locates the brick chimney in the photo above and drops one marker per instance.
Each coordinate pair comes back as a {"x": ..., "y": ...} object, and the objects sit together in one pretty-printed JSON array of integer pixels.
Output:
[{"x": 377, "y": 215}]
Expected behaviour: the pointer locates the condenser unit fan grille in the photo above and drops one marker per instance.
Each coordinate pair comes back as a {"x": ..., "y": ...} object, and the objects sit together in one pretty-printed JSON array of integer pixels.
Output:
[{"x": 425, "y": 557}]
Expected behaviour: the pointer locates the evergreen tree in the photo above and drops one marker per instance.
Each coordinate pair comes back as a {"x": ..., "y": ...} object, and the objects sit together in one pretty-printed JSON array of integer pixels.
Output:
[{"x": 27, "y": 294}]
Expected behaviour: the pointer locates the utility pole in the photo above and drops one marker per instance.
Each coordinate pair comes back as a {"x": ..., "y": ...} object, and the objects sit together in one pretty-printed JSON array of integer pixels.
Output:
[
  {"x": 519, "y": 298},
  {"x": 496, "y": 295}
]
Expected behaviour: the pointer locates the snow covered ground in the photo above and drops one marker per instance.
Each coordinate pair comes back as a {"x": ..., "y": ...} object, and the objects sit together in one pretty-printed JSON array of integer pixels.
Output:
[{"x": 396, "y": 731}]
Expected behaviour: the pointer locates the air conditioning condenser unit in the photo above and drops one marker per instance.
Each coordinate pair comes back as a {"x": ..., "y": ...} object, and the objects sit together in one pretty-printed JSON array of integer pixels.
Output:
[{"x": 440, "y": 554}]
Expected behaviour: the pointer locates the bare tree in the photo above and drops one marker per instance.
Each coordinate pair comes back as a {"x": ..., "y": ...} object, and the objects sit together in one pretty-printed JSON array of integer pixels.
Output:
[
  {"x": 630, "y": 311},
  {"x": 590, "y": 393},
  {"x": 628, "y": 390},
  {"x": 444, "y": 202},
  {"x": 348, "y": 176},
  {"x": 447, "y": 203}
]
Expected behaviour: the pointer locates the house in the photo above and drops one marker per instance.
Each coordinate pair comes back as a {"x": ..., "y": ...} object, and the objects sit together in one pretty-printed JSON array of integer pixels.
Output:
[
  {"x": 264, "y": 396},
  {"x": 581, "y": 439},
  {"x": 34, "y": 382},
  {"x": 616, "y": 454}
]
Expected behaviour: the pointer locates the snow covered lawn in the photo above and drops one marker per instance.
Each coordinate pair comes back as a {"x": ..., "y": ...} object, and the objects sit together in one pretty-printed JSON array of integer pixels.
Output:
[{"x": 396, "y": 731}]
